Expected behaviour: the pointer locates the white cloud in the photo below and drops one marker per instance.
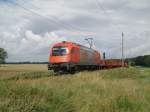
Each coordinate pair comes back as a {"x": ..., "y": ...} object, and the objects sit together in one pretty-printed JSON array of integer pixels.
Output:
[
  {"x": 28, "y": 36},
  {"x": 31, "y": 47}
]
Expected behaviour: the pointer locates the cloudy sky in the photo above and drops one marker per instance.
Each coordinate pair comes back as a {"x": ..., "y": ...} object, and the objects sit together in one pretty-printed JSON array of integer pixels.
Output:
[{"x": 28, "y": 28}]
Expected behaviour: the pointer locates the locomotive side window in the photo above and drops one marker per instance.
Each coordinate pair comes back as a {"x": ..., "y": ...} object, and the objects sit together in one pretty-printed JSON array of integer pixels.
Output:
[{"x": 59, "y": 51}]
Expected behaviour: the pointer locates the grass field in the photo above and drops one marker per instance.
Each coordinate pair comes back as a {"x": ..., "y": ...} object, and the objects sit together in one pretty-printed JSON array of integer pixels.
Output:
[{"x": 31, "y": 88}]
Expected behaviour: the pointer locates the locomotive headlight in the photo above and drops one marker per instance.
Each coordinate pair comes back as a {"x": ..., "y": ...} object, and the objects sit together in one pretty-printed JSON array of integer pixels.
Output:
[{"x": 67, "y": 50}]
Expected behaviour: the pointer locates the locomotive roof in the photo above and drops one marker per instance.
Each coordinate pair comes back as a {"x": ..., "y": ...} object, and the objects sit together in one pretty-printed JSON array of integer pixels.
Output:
[{"x": 80, "y": 45}]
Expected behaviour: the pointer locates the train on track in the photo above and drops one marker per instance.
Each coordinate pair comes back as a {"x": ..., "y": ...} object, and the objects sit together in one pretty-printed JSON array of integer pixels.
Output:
[{"x": 71, "y": 57}]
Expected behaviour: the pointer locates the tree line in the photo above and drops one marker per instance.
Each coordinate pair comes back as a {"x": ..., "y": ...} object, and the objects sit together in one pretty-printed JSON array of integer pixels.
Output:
[
  {"x": 140, "y": 61},
  {"x": 3, "y": 55},
  {"x": 137, "y": 61}
]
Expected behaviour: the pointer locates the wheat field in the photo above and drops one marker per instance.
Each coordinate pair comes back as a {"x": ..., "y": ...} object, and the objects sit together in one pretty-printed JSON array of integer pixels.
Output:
[{"x": 32, "y": 88}]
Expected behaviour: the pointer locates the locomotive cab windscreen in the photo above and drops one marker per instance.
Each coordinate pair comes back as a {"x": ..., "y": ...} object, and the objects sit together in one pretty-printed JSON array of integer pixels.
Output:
[{"x": 59, "y": 51}]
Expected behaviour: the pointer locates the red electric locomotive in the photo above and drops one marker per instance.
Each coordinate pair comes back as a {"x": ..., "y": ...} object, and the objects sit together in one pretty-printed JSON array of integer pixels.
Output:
[{"x": 68, "y": 56}]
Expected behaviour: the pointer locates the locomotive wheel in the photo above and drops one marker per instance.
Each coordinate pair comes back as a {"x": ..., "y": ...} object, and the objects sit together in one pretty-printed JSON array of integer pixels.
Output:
[{"x": 72, "y": 70}]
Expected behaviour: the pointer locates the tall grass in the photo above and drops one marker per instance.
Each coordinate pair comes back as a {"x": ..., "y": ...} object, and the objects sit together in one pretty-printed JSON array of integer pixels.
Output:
[
  {"x": 116, "y": 90},
  {"x": 30, "y": 75}
]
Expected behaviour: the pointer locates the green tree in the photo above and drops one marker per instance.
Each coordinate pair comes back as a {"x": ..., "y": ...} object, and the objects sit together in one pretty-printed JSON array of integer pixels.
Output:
[
  {"x": 3, "y": 55},
  {"x": 140, "y": 61},
  {"x": 147, "y": 61}
]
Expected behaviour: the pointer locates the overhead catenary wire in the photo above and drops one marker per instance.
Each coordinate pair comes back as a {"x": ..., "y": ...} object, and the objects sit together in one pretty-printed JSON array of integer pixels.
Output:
[
  {"x": 35, "y": 13},
  {"x": 70, "y": 25},
  {"x": 50, "y": 20},
  {"x": 99, "y": 4}
]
